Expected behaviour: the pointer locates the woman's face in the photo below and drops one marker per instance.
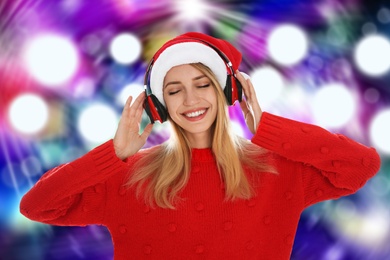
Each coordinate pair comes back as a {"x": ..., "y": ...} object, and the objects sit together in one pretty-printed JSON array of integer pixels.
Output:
[{"x": 191, "y": 102}]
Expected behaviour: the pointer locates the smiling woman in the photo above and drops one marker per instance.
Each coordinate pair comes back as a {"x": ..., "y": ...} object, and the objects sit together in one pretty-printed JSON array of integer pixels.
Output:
[
  {"x": 204, "y": 193},
  {"x": 191, "y": 103}
]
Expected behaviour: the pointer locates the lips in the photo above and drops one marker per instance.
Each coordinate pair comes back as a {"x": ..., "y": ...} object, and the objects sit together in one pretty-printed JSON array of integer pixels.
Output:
[{"x": 195, "y": 114}]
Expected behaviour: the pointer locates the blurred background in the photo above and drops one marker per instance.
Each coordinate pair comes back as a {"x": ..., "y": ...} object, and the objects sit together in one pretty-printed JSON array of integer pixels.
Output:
[{"x": 67, "y": 67}]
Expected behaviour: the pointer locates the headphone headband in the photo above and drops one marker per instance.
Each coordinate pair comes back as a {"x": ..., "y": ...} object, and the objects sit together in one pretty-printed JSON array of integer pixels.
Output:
[
  {"x": 154, "y": 104},
  {"x": 226, "y": 60}
]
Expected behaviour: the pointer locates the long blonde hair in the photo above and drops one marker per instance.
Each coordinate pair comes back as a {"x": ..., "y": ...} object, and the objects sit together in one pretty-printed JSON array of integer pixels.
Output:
[{"x": 164, "y": 170}]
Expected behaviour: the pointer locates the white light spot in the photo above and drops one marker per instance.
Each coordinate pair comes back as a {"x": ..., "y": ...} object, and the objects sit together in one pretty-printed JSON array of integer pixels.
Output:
[
  {"x": 287, "y": 44},
  {"x": 268, "y": 84},
  {"x": 379, "y": 131},
  {"x": 133, "y": 90},
  {"x": 28, "y": 113},
  {"x": 333, "y": 105},
  {"x": 372, "y": 55},
  {"x": 51, "y": 60},
  {"x": 375, "y": 228},
  {"x": 125, "y": 48},
  {"x": 237, "y": 128},
  {"x": 97, "y": 123},
  {"x": 191, "y": 9}
]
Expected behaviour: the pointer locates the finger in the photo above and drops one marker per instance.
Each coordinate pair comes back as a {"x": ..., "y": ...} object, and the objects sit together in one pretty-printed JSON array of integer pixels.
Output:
[
  {"x": 251, "y": 88},
  {"x": 139, "y": 100},
  {"x": 254, "y": 100},
  {"x": 147, "y": 130},
  {"x": 244, "y": 107},
  {"x": 244, "y": 84},
  {"x": 138, "y": 113},
  {"x": 137, "y": 104},
  {"x": 126, "y": 109},
  {"x": 240, "y": 77}
]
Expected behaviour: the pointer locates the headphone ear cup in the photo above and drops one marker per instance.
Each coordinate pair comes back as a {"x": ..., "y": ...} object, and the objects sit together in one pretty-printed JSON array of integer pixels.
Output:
[
  {"x": 155, "y": 110},
  {"x": 148, "y": 110},
  {"x": 228, "y": 90},
  {"x": 239, "y": 89},
  {"x": 161, "y": 110},
  {"x": 233, "y": 90}
]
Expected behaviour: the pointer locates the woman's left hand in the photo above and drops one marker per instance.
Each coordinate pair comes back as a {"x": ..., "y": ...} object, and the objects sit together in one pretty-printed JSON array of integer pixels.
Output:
[{"x": 250, "y": 106}]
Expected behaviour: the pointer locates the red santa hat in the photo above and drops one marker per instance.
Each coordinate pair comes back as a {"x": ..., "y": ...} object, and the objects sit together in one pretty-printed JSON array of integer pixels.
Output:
[{"x": 189, "y": 48}]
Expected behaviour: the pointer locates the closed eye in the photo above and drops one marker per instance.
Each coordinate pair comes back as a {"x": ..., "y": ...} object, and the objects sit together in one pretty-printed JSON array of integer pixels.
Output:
[
  {"x": 204, "y": 86},
  {"x": 173, "y": 92}
]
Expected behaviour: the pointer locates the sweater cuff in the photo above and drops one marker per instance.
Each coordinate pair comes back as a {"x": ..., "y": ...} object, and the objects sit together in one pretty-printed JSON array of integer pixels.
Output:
[
  {"x": 268, "y": 132},
  {"x": 105, "y": 159}
]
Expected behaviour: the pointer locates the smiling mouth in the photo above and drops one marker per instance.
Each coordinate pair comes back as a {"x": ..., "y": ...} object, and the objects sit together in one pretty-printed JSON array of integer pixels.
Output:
[{"x": 195, "y": 114}]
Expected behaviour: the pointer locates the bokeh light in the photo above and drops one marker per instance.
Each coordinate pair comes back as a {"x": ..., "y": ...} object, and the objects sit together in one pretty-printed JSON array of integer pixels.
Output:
[
  {"x": 28, "y": 114},
  {"x": 380, "y": 129},
  {"x": 51, "y": 59},
  {"x": 372, "y": 55},
  {"x": 369, "y": 229},
  {"x": 287, "y": 44},
  {"x": 384, "y": 15},
  {"x": 333, "y": 105},
  {"x": 268, "y": 84},
  {"x": 125, "y": 48},
  {"x": 133, "y": 90},
  {"x": 191, "y": 10},
  {"x": 237, "y": 128},
  {"x": 97, "y": 123}
]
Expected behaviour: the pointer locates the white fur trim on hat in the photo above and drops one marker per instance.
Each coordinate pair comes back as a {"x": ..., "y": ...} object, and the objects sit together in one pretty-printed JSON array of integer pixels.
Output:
[{"x": 185, "y": 53}]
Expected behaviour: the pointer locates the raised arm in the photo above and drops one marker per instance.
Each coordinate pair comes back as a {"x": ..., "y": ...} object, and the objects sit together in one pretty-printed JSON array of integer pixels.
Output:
[
  {"x": 331, "y": 165},
  {"x": 75, "y": 193}
]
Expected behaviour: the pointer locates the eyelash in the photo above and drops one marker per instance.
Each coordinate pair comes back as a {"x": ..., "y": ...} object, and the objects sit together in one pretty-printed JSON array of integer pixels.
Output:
[{"x": 174, "y": 92}]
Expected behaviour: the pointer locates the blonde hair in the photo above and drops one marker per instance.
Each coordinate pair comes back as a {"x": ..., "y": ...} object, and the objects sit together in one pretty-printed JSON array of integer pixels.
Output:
[{"x": 163, "y": 171}]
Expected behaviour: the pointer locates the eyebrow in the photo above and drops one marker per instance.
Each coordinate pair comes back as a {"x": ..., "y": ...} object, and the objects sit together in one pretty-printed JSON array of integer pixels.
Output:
[{"x": 178, "y": 82}]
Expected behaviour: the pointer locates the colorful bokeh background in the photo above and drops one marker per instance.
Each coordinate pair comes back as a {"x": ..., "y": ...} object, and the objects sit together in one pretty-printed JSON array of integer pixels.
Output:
[{"x": 67, "y": 66}]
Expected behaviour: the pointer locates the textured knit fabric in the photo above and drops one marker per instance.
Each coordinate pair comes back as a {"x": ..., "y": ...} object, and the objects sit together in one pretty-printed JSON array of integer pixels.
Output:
[{"x": 313, "y": 165}]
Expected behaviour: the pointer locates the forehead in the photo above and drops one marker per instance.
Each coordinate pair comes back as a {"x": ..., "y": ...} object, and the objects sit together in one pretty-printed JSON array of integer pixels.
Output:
[{"x": 183, "y": 71}]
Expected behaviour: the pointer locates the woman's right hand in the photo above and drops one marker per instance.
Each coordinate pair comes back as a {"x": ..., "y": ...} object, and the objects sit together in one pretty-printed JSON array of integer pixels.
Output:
[{"x": 127, "y": 140}]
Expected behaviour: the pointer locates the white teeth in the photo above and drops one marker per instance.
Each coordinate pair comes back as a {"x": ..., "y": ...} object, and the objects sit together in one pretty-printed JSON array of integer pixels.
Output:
[{"x": 195, "y": 114}]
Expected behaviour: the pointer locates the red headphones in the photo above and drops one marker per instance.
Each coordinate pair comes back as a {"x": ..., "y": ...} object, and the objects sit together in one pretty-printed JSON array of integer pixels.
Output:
[{"x": 157, "y": 111}]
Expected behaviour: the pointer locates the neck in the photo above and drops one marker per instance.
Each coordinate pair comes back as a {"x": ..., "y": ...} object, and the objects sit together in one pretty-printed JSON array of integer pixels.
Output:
[{"x": 199, "y": 140}]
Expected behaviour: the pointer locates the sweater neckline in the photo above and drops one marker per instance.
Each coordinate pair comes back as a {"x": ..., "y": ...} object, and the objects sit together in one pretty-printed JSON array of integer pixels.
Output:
[{"x": 202, "y": 154}]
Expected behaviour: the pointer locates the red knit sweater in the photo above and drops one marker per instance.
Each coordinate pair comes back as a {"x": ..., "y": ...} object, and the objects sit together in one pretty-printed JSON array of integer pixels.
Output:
[{"x": 313, "y": 165}]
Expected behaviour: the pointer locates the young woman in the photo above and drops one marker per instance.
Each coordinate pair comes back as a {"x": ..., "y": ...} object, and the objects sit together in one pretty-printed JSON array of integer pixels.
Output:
[{"x": 205, "y": 193}]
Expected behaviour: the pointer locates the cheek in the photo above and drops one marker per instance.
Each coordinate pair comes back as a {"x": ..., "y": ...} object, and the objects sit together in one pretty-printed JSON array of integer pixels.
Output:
[
  {"x": 212, "y": 98},
  {"x": 170, "y": 104}
]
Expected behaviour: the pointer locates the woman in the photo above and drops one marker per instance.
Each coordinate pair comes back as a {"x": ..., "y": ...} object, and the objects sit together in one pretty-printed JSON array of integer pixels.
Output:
[{"x": 205, "y": 193}]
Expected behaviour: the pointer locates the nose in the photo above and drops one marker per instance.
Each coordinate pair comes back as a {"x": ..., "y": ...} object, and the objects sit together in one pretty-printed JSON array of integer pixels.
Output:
[{"x": 191, "y": 98}]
